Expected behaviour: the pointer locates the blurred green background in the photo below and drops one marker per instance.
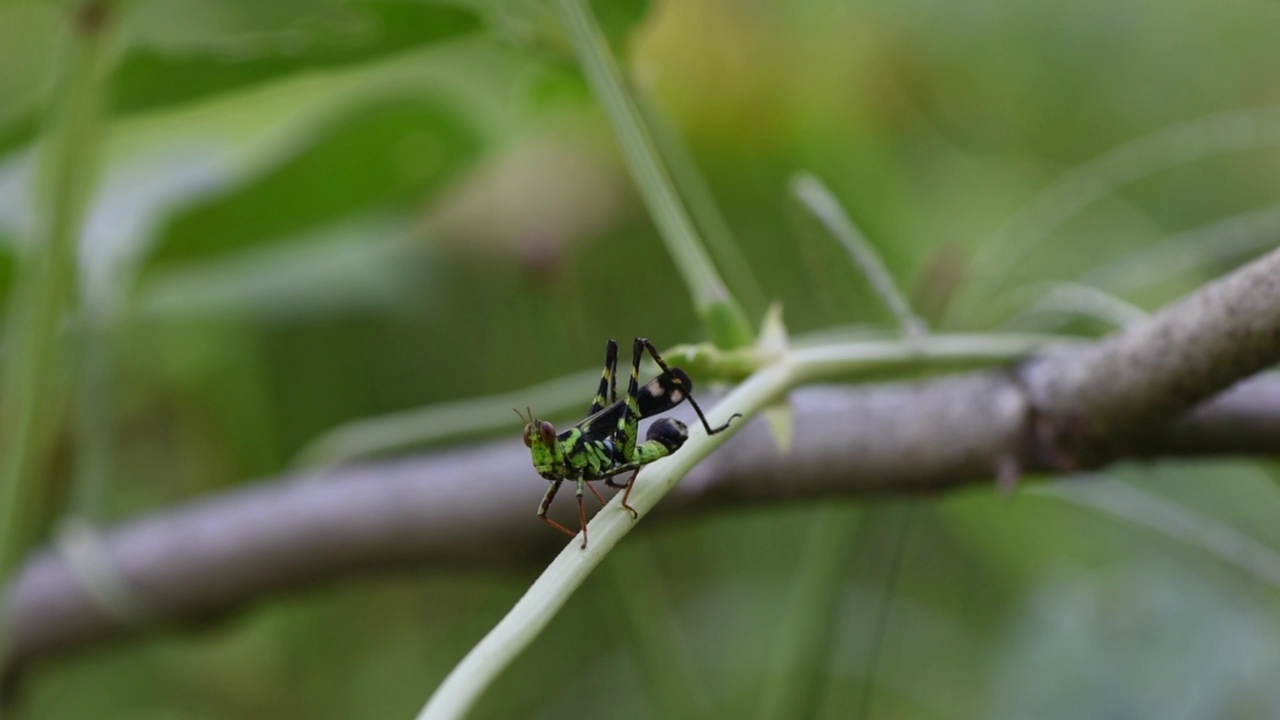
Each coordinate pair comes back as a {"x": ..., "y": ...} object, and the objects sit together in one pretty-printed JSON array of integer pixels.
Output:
[{"x": 315, "y": 212}]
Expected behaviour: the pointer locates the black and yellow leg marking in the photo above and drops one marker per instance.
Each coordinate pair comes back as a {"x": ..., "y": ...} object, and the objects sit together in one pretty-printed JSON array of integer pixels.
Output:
[
  {"x": 681, "y": 387},
  {"x": 606, "y": 443},
  {"x": 628, "y": 422},
  {"x": 608, "y": 392}
]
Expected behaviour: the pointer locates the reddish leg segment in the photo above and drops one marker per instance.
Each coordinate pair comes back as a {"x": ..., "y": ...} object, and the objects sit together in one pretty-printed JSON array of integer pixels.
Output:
[{"x": 546, "y": 503}]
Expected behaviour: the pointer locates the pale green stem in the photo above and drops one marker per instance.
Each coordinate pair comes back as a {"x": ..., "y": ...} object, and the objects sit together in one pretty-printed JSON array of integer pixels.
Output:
[
  {"x": 724, "y": 318},
  {"x": 815, "y": 196},
  {"x": 876, "y": 651},
  {"x": 707, "y": 216},
  {"x": 1186, "y": 142},
  {"x": 487, "y": 659},
  {"x": 91, "y": 486},
  {"x": 445, "y": 421},
  {"x": 803, "y": 638},
  {"x": 805, "y": 631},
  {"x": 1075, "y": 300},
  {"x": 450, "y": 421},
  {"x": 934, "y": 352},
  {"x": 1135, "y": 505},
  {"x": 660, "y": 649},
  {"x": 1199, "y": 251},
  {"x": 44, "y": 295}
]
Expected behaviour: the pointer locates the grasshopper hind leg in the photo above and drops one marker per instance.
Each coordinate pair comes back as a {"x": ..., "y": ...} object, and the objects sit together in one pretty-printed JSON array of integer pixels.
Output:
[
  {"x": 596, "y": 492},
  {"x": 682, "y": 380},
  {"x": 627, "y": 493},
  {"x": 607, "y": 393}
]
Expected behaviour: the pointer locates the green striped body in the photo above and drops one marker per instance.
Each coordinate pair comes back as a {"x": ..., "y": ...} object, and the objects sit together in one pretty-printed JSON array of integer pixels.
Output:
[
  {"x": 605, "y": 443},
  {"x": 573, "y": 455}
]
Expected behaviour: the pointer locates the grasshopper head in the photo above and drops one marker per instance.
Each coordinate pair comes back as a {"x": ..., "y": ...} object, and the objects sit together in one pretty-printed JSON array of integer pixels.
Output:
[{"x": 540, "y": 438}]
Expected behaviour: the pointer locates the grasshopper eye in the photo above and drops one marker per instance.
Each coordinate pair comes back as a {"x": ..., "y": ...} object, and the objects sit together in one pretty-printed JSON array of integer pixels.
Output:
[
  {"x": 528, "y": 441},
  {"x": 548, "y": 432}
]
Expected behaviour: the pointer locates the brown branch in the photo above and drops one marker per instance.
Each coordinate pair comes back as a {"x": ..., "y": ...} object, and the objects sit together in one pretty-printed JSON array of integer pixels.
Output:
[
  {"x": 474, "y": 505},
  {"x": 1104, "y": 399}
]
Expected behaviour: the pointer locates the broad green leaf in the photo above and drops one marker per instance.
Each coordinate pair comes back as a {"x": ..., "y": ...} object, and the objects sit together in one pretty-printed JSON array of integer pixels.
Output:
[
  {"x": 531, "y": 23},
  {"x": 395, "y": 154},
  {"x": 155, "y": 75},
  {"x": 196, "y": 49},
  {"x": 618, "y": 19},
  {"x": 31, "y": 35},
  {"x": 314, "y": 148},
  {"x": 348, "y": 268}
]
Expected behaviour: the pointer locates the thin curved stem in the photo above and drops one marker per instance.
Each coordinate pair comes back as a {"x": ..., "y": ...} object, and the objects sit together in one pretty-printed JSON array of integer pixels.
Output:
[
  {"x": 30, "y": 399},
  {"x": 718, "y": 308},
  {"x": 488, "y": 658}
]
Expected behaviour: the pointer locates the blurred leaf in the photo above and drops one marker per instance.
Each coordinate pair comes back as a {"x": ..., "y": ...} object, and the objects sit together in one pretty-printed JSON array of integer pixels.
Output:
[
  {"x": 818, "y": 199},
  {"x": 407, "y": 429},
  {"x": 8, "y": 266},
  {"x": 31, "y": 35},
  {"x": 705, "y": 211},
  {"x": 386, "y": 156},
  {"x": 935, "y": 121},
  {"x": 532, "y": 24},
  {"x": 153, "y": 76},
  {"x": 505, "y": 206},
  {"x": 725, "y": 322},
  {"x": 209, "y": 418},
  {"x": 560, "y": 85},
  {"x": 216, "y": 55},
  {"x": 618, "y": 18},
  {"x": 426, "y": 122},
  {"x": 354, "y": 267},
  {"x": 1191, "y": 256},
  {"x": 807, "y": 629},
  {"x": 18, "y": 131},
  {"x": 1145, "y": 509},
  {"x": 1153, "y": 641}
]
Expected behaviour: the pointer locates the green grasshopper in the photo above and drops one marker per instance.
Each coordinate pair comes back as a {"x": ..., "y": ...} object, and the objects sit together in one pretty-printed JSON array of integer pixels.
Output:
[{"x": 604, "y": 444}]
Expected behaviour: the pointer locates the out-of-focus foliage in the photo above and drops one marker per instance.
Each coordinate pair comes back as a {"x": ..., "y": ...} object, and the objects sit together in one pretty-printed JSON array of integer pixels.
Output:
[{"x": 317, "y": 212}]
